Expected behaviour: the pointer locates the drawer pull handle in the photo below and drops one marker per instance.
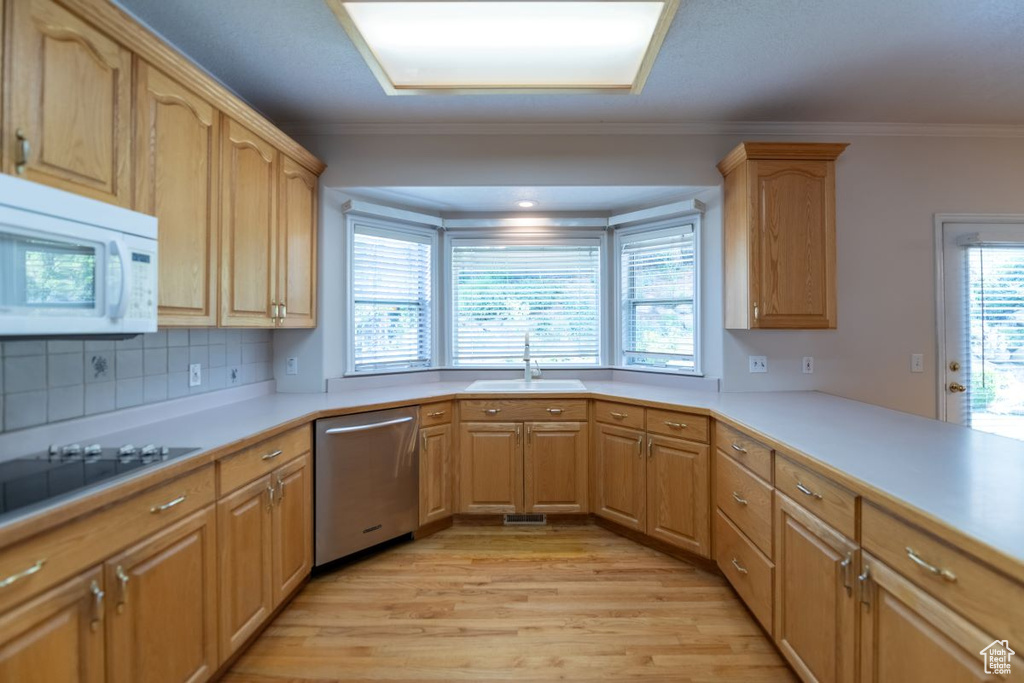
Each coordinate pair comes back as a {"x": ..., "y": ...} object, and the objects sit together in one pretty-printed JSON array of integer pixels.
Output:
[
  {"x": 168, "y": 505},
  {"x": 437, "y": 413},
  {"x": 738, "y": 498},
  {"x": 122, "y": 578},
  {"x": 24, "y": 149},
  {"x": 492, "y": 411},
  {"x": 807, "y": 492},
  {"x": 618, "y": 416},
  {"x": 846, "y": 565},
  {"x": 739, "y": 567},
  {"x": 271, "y": 456},
  {"x": 676, "y": 425},
  {"x": 22, "y": 574},
  {"x": 555, "y": 411},
  {"x": 931, "y": 568},
  {"x": 97, "y": 606},
  {"x": 739, "y": 449}
]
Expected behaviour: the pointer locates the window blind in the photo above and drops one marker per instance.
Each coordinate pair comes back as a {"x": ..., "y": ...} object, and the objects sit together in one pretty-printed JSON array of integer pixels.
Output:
[
  {"x": 391, "y": 300},
  {"x": 995, "y": 319},
  {"x": 658, "y": 324},
  {"x": 501, "y": 291}
]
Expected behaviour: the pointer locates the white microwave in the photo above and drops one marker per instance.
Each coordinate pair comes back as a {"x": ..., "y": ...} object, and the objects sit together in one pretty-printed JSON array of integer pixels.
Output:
[{"x": 71, "y": 266}]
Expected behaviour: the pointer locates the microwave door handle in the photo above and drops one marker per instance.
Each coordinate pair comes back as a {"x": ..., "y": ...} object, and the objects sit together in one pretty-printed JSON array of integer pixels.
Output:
[{"x": 120, "y": 249}]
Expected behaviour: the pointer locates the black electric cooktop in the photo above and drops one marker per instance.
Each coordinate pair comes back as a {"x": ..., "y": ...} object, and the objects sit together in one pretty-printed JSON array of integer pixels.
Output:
[{"x": 63, "y": 471}]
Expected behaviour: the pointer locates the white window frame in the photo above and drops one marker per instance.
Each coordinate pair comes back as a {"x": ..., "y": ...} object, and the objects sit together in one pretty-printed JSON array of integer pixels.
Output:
[
  {"x": 399, "y": 230},
  {"x": 655, "y": 226},
  {"x": 547, "y": 236}
]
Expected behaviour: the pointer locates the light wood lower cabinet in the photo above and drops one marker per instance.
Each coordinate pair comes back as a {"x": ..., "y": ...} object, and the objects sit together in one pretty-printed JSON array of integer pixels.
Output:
[
  {"x": 907, "y": 635},
  {"x": 292, "y": 524},
  {"x": 620, "y": 476},
  {"x": 162, "y": 605},
  {"x": 815, "y": 605},
  {"x": 491, "y": 467},
  {"x": 555, "y": 467},
  {"x": 678, "y": 493},
  {"x": 435, "y": 473},
  {"x": 57, "y": 637}
]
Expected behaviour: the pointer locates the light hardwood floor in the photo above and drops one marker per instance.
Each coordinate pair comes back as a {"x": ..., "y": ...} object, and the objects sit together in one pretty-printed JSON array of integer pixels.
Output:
[{"x": 480, "y": 603}]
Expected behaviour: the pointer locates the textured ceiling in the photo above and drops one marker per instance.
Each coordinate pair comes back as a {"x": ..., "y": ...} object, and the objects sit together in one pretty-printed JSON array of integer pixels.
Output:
[{"x": 895, "y": 61}]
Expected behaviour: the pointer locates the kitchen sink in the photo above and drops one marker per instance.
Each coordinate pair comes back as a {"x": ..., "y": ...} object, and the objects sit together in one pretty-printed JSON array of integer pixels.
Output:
[{"x": 508, "y": 385}]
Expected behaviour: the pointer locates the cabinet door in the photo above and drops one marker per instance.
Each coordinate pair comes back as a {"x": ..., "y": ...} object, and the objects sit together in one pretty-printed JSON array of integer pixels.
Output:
[
  {"x": 815, "y": 609},
  {"x": 176, "y": 152},
  {"x": 57, "y": 637},
  {"x": 907, "y": 635},
  {"x": 620, "y": 476},
  {"x": 555, "y": 467},
  {"x": 795, "y": 244},
  {"x": 248, "y": 228},
  {"x": 435, "y": 473},
  {"x": 162, "y": 614},
  {"x": 245, "y": 539},
  {"x": 293, "y": 526},
  {"x": 491, "y": 467},
  {"x": 296, "y": 253},
  {"x": 678, "y": 494},
  {"x": 70, "y": 89}
]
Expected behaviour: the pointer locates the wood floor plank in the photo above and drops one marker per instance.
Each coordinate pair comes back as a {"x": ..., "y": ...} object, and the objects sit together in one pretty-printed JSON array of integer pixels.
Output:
[{"x": 491, "y": 603}]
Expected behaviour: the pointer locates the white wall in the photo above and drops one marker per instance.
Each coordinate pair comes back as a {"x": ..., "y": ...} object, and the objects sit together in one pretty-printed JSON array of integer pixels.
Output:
[{"x": 888, "y": 190}]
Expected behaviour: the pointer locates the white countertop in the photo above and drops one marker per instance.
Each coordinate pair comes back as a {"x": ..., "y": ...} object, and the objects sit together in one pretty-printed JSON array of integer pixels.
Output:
[{"x": 966, "y": 479}]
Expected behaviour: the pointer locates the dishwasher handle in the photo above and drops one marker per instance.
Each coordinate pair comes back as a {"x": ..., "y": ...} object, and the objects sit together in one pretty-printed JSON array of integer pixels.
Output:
[{"x": 372, "y": 425}]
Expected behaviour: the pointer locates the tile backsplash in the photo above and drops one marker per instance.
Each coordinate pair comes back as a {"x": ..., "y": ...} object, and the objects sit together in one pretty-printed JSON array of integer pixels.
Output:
[{"x": 48, "y": 381}]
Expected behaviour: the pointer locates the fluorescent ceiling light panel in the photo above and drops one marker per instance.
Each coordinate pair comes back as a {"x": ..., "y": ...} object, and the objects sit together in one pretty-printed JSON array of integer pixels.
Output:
[{"x": 520, "y": 47}]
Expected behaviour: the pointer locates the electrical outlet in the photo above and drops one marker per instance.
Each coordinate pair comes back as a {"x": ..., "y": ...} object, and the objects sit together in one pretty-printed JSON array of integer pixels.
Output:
[
  {"x": 292, "y": 366},
  {"x": 758, "y": 363},
  {"x": 195, "y": 375},
  {"x": 808, "y": 365},
  {"x": 917, "y": 362}
]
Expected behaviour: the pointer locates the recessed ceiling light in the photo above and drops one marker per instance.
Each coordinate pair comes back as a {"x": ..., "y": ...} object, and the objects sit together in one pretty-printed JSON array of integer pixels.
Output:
[
  {"x": 536, "y": 46},
  {"x": 526, "y": 204}
]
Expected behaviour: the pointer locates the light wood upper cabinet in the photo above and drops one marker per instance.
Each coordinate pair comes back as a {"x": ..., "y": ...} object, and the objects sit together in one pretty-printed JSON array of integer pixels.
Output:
[
  {"x": 249, "y": 184},
  {"x": 780, "y": 235},
  {"x": 297, "y": 239},
  {"x": 162, "y": 605},
  {"x": 292, "y": 523},
  {"x": 245, "y": 538},
  {"x": 678, "y": 493},
  {"x": 176, "y": 163},
  {"x": 815, "y": 605},
  {"x": 69, "y": 121},
  {"x": 620, "y": 476},
  {"x": 555, "y": 467},
  {"x": 907, "y": 635},
  {"x": 435, "y": 473},
  {"x": 491, "y": 467},
  {"x": 57, "y": 637}
]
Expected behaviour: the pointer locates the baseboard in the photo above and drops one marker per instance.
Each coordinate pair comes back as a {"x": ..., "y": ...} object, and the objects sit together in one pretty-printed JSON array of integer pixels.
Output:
[
  {"x": 431, "y": 528},
  {"x": 662, "y": 547}
]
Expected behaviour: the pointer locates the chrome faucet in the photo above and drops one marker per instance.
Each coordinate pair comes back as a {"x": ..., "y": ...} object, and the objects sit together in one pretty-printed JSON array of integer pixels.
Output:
[{"x": 531, "y": 369}]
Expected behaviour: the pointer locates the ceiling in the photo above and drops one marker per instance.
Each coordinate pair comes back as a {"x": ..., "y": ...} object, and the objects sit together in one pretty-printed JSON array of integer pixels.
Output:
[
  {"x": 892, "y": 61},
  {"x": 450, "y": 201}
]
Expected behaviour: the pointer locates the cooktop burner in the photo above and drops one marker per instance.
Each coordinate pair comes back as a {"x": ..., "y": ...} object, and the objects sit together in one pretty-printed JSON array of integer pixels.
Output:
[{"x": 64, "y": 470}]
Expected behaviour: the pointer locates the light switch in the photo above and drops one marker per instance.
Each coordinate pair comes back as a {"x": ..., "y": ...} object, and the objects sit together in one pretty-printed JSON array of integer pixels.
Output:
[
  {"x": 808, "y": 365},
  {"x": 292, "y": 366},
  {"x": 917, "y": 362}
]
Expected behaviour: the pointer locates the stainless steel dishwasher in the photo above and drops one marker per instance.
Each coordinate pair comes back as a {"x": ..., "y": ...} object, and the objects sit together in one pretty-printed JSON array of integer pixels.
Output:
[{"x": 367, "y": 480}]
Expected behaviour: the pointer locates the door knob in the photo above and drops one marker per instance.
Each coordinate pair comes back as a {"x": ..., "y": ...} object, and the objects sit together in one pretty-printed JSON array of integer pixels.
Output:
[{"x": 957, "y": 388}]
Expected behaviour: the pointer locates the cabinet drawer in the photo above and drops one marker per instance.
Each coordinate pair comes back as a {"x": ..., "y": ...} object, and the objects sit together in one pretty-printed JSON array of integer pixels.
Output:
[
  {"x": 748, "y": 570},
  {"x": 990, "y": 599},
  {"x": 572, "y": 409},
  {"x": 253, "y": 462},
  {"x": 47, "y": 559},
  {"x": 819, "y": 495},
  {"x": 746, "y": 500},
  {"x": 435, "y": 414},
  {"x": 751, "y": 454},
  {"x": 679, "y": 425},
  {"x": 619, "y": 414}
]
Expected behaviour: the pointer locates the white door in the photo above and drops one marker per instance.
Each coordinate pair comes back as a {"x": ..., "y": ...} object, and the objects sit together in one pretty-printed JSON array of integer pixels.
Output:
[{"x": 982, "y": 326}]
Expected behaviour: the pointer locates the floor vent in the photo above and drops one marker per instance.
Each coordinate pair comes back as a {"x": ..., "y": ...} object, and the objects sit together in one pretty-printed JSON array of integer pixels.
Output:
[{"x": 525, "y": 520}]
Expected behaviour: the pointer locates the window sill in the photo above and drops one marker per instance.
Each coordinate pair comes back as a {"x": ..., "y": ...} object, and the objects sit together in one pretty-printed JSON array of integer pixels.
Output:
[
  {"x": 656, "y": 371},
  {"x": 544, "y": 368}
]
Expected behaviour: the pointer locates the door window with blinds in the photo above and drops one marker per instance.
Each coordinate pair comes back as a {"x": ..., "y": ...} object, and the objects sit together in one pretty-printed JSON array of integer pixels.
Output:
[
  {"x": 657, "y": 273},
  {"x": 501, "y": 289},
  {"x": 391, "y": 298}
]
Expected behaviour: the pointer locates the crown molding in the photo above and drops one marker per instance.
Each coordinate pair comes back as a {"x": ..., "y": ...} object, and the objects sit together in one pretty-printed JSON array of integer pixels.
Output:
[{"x": 750, "y": 128}]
